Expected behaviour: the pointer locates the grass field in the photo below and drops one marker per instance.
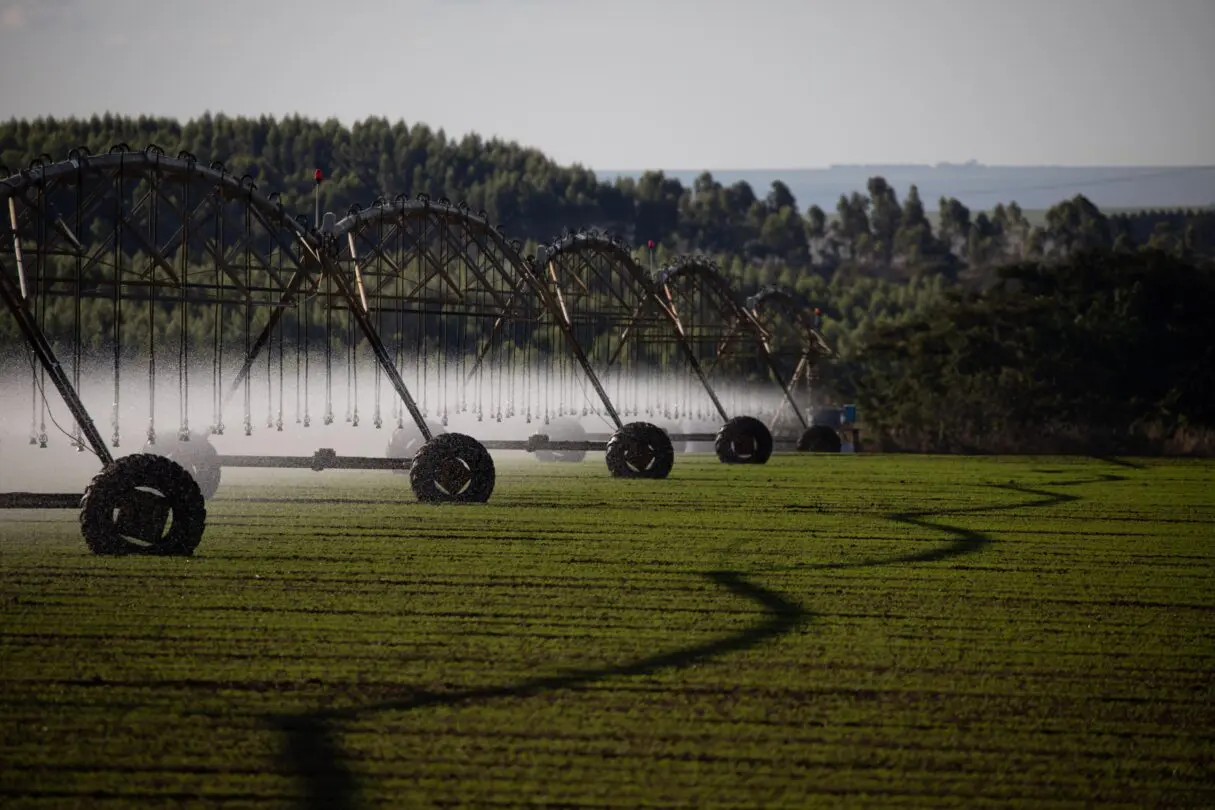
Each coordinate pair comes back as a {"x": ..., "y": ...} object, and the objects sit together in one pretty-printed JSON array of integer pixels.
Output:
[{"x": 822, "y": 631}]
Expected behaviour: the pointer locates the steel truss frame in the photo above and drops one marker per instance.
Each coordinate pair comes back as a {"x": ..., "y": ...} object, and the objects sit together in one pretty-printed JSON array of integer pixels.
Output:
[
  {"x": 476, "y": 269},
  {"x": 138, "y": 228},
  {"x": 162, "y": 186},
  {"x": 629, "y": 309},
  {"x": 694, "y": 283},
  {"x": 141, "y": 228},
  {"x": 794, "y": 341}
]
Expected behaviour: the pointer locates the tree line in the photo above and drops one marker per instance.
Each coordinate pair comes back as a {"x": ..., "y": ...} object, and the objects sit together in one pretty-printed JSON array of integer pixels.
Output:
[
  {"x": 1104, "y": 352},
  {"x": 531, "y": 197}
]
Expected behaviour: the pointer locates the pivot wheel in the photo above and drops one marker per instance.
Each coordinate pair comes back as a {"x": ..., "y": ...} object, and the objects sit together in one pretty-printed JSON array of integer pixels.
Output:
[
  {"x": 640, "y": 450},
  {"x": 197, "y": 455},
  {"x": 819, "y": 439},
  {"x": 743, "y": 440},
  {"x": 452, "y": 468},
  {"x": 563, "y": 430},
  {"x": 406, "y": 441},
  {"x": 143, "y": 504}
]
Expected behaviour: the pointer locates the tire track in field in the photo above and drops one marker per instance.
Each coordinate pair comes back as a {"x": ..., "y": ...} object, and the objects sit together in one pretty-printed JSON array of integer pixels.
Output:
[{"x": 313, "y": 752}]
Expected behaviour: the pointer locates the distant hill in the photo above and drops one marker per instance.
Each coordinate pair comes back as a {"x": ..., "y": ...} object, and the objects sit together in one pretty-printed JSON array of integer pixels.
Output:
[{"x": 981, "y": 187}]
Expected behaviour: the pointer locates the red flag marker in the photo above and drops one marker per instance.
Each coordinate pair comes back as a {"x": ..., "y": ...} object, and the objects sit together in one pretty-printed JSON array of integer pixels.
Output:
[{"x": 318, "y": 176}]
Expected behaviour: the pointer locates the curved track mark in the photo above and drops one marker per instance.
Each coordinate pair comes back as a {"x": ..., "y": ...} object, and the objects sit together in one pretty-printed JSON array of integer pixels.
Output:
[
  {"x": 311, "y": 749},
  {"x": 966, "y": 541}
]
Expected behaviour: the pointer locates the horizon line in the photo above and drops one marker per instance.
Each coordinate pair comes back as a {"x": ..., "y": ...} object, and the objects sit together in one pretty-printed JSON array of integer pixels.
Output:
[{"x": 941, "y": 165}]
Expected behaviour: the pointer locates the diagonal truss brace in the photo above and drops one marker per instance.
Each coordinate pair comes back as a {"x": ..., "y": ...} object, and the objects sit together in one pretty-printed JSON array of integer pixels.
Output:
[
  {"x": 556, "y": 305},
  {"x": 738, "y": 315},
  {"x": 373, "y": 340},
  {"x": 328, "y": 269},
  {"x": 46, "y": 355}
]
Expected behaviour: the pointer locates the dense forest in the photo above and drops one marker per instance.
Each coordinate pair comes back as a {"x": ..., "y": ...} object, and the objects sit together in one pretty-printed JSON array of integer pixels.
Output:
[
  {"x": 1105, "y": 352},
  {"x": 959, "y": 330}
]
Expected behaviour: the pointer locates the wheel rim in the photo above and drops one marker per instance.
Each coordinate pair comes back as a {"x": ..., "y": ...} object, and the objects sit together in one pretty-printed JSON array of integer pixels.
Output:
[
  {"x": 453, "y": 476},
  {"x": 142, "y": 516},
  {"x": 640, "y": 456}
]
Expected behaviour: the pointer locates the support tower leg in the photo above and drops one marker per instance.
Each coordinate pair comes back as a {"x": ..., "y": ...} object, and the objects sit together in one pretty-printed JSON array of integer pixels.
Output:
[{"x": 46, "y": 356}]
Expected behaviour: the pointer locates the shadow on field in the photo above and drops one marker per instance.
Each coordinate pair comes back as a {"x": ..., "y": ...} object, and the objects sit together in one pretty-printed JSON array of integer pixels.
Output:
[
  {"x": 1120, "y": 462},
  {"x": 967, "y": 541},
  {"x": 311, "y": 750}
]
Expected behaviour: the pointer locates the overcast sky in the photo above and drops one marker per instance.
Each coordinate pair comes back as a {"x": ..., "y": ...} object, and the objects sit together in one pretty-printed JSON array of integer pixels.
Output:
[{"x": 667, "y": 84}]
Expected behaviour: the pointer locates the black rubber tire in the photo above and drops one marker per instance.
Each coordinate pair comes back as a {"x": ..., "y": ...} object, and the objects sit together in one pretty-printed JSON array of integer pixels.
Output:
[
  {"x": 462, "y": 460},
  {"x": 640, "y": 450},
  {"x": 563, "y": 430},
  {"x": 819, "y": 439},
  {"x": 743, "y": 440},
  {"x": 172, "y": 481},
  {"x": 405, "y": 442},
  {"x": 198, "y": 456}
]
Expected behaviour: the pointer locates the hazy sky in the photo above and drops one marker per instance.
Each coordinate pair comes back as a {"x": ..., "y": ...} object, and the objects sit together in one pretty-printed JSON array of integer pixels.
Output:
[{"x": 656, "y": 83}]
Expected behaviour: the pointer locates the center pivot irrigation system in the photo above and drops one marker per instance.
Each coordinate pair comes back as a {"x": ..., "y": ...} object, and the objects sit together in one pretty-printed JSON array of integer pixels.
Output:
[{"x": 135, "y": 263}]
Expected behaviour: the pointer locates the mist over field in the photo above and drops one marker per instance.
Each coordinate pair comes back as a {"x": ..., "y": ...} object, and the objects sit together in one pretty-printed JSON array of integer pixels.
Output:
[{"x": 675, "y": 401}]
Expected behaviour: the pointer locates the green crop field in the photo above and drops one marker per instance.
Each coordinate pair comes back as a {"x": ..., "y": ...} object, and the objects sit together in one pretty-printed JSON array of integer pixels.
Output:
[{"x": 821, "y": 631}]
